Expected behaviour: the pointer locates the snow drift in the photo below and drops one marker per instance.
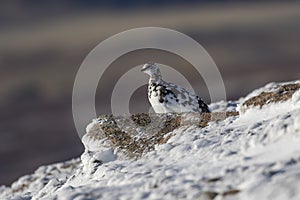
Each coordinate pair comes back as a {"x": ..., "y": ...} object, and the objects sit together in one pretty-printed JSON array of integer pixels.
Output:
[{"x": 253, "y": 155}]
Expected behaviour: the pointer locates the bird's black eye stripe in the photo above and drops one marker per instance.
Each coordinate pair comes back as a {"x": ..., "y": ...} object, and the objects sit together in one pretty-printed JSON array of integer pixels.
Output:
[{"x": 146, "y": 67}]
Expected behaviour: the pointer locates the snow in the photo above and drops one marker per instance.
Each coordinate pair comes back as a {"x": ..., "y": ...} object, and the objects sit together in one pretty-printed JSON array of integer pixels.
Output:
[{"x": 252, "y": 156}]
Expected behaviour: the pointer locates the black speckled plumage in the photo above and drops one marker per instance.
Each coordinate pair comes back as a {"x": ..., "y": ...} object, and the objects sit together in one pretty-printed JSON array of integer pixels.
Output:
[{"x": 168, "y": 97}]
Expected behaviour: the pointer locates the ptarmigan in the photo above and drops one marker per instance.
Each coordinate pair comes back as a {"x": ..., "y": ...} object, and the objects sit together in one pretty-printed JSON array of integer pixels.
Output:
[{"x": 168, "y": 97}]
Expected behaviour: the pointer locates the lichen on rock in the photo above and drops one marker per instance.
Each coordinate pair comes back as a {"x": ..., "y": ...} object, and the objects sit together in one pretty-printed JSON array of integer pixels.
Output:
[
  {"x": 280, "y": 93},
  {"x": 136, "y": 134}
]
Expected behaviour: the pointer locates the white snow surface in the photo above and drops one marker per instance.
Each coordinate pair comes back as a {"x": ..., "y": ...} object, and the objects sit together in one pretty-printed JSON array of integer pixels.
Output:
[{"x": 252, "y": 156}]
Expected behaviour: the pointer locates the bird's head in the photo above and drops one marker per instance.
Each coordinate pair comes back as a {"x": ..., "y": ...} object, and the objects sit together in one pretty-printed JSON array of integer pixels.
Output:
[{"x": 151, "y": 69}]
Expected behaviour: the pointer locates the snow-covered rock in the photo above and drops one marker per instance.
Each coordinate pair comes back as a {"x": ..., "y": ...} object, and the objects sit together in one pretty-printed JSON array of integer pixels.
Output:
[{"x": 254, "y": 155}]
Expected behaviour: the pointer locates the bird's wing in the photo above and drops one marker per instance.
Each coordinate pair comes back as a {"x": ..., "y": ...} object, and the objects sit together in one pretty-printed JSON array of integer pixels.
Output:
[
  {"x": 180, "y": 92},
  {"x": 185, "y": 97}
]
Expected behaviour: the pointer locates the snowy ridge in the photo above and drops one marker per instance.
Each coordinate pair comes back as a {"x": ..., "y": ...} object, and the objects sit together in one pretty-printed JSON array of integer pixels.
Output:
[{"x": 252, "y": 156}]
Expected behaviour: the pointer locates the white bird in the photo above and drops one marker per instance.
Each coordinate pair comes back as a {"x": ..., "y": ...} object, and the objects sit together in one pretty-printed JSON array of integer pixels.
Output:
[{"x": 168, "y": 97}]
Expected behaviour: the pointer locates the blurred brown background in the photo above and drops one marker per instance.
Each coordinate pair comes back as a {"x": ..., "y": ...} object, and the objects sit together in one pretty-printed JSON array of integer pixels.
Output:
[{"x": 43, "y": 44}]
